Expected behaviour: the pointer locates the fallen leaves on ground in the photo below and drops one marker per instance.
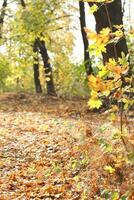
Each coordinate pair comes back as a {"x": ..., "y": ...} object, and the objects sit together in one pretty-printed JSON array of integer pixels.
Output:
[{"x": 49, "y": 149}]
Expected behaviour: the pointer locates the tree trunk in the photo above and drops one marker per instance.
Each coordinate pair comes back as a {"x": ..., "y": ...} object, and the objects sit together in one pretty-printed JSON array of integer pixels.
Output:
[
  {"x": 87, "y": 60},
  {"x": 2, "y": 15},
  {"x": 47, "y": 68},
  {"x": 23, "y": 3},
  {"x": 108, "y": 15},
  {"x": 37, "y": 83},
  {"x": 36, "y": 69}
]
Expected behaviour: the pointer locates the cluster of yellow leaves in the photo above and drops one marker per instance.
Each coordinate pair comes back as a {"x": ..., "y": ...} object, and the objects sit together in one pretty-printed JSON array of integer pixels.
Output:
[
  {"x": 117, "y": 35},
  {"x": 99, "y": 40},
  {"x": 115, "y": 68},
  {"x": 104, "y": 37},
  {"x": 97, "y": 85},
  {"x": 93, "y": 9},
  {"x": 100, "y": 85}
]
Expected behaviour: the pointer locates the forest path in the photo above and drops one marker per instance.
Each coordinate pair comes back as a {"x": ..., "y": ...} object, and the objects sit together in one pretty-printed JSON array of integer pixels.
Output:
[{"x": 49, "y": 150}]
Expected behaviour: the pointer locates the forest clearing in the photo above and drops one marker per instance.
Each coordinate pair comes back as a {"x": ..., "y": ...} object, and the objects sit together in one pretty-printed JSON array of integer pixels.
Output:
[{"x": 66, "y": 100}]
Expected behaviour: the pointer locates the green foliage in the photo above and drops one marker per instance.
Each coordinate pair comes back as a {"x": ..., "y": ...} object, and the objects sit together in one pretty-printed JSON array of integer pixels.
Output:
[
  {"x": 47, "y": 21},
  {"x": 4, "y": 71},
  {"x": 105, "y": 146},
  {"x": 106, "y": 194},
  {"x": 70, "y": 79}
]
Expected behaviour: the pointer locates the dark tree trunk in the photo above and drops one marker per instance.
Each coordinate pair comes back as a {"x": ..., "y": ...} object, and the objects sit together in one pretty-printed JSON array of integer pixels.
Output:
[
  {"x": 23, "y": 3},
  {"x": 108, "y": 15},
  {"x": 36, "y": 69},
  {"x": 2, "y": 15},
  {"x": 87, "y": 60},
  {"x": 37, "y": 83},
  {"x": 47, "y": 67}
]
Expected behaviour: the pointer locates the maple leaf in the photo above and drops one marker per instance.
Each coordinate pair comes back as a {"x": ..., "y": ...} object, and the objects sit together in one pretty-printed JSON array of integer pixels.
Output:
[{"x": 96, "y": 83}]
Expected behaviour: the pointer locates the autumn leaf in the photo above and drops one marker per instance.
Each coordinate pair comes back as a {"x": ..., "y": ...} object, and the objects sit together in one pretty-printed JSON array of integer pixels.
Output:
[
  {"x": 93, "y": 9},
  {"x": 96, "y": 83},
  {"x": 94, "y": 103},
  {"x": 109, "y": 169}
]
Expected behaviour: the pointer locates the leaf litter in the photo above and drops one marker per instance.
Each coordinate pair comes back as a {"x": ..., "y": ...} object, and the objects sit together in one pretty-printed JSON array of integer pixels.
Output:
[{"x": 49, "y": 149}]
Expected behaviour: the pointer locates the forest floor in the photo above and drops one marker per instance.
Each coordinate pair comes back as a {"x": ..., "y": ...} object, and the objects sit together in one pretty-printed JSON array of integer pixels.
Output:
[{"x": 53, "y": 148}]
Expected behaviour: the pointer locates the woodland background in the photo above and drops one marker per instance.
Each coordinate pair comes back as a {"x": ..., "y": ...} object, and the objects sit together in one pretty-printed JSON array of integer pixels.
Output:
[{"x": 66, "y": 120}]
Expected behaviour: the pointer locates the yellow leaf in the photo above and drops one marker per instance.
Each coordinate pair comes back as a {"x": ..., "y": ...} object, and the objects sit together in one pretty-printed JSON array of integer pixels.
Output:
[
  {"x": 109, "y": 169},
  {"x": 113, "y": 117},
  {"x": 94, "y": 103},
  {"x": 93, "y": 9},
  {"x": 94, "y": 94}
]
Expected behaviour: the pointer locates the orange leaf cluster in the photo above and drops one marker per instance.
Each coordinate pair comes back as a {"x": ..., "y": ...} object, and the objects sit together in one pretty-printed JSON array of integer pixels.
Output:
[
  {"x": 114, "y": 67},
  {"x": 96, "y": 83},
  {"x": 101, "y": 38}
]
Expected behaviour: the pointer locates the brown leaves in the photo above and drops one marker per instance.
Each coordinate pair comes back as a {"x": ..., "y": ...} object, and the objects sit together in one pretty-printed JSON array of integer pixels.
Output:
[{"x": 52, "y": 154}]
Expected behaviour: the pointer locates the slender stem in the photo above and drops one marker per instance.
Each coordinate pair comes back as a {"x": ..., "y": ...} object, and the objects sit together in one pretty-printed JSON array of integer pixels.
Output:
[
  {"x": 110, "y": 25},
  {"x": 121, "y": 125},
  {"x": 123, "y": 7},
  {"x": 121, "y": 119},
  {"x": 121, "y": 108},
  {"x": 127, "y": 124}
]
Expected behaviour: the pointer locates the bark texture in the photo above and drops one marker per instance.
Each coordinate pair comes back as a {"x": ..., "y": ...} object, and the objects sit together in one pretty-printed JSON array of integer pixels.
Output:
[
  {"x": 36, "y": 69},
  {"x": 108, "y": 15},
  {"x": 2, "y": 16},
  {"x": 41, "y": 47},
  {"x": 87, "y": 60},
  {"x": 47, "y": 67},
  {"x": 23, "y": 3}
]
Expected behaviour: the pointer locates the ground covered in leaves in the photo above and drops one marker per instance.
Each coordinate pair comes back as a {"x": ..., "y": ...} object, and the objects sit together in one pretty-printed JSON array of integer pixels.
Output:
[{"x": 53, "y": 148}]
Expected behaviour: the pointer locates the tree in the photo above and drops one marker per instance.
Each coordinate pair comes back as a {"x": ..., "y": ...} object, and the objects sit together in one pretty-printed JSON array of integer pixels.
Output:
[
  {"x": 85, "y": 40},
  {"x": 2, "y": 15},
  {"x": 36, "y": 69},
  {"x": 37, "y": 83},
  {"x": 110, "y": 15},
  {"x": 4, "y": 64},
  {"x": 40, "y": 45},
  {"x": 23, "y": 3},
  {"x": 47, "y": 67}
]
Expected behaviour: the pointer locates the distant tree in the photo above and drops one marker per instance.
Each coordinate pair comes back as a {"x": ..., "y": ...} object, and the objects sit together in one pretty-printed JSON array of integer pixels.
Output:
[
  {"x": 23, "y": 3},
  {"x": 87, "y": 60},
  {"x": 36, "y": 69},
  {"x": 37, "y": 83},
  {"x": 47, "y": 67},
  {"x": 40, "y": 46},
  {"x": 2, "y": 16},
  {"x": 49, "y": 22}
]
